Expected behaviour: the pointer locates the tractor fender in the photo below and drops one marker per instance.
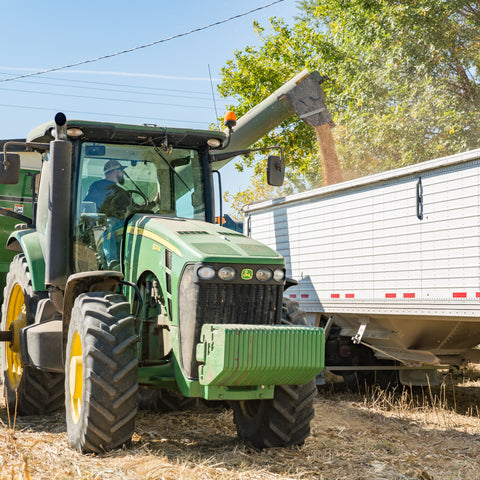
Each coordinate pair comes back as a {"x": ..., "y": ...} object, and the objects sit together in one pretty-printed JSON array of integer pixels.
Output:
[
  {"x": 78, "y": 283},
  {"x": 28, "y": 243}
]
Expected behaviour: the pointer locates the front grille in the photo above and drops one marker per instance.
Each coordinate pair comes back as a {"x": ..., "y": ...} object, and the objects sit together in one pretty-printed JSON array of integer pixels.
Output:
[
  {"x": 222, "y": 303},
  {"x": 237, "y": 303}
]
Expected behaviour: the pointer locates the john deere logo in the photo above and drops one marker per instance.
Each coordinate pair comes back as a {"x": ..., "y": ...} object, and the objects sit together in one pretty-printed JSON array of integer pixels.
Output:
[{"x": 247, "y": 274}]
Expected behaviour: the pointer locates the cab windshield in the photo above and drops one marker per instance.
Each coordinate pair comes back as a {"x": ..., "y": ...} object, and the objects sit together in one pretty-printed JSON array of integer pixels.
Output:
[{"x": 117, "y": 180}]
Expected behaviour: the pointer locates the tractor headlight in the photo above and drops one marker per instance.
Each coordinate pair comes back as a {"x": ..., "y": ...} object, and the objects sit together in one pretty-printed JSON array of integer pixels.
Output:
[
  {"x": 264, "y": 274},
  {"x": 279, "y": 275},
  {"x": 206, "y": 272},
  {"x": 227, "y": 273}
]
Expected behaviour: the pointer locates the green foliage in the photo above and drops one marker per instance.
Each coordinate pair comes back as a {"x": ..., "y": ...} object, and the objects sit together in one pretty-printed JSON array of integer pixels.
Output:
[
  {"x": 258, "y": 190},
  {"x": 403, "y": 81}
]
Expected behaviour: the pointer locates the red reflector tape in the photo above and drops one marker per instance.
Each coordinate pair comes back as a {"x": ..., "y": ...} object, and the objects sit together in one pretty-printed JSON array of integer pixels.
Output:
[
  {"x": 304, "y": 295},
  {"x": 408, "y": 295},
  {"x": 293, "y": 295},
  {"x": 390, "y": 295},
  {"x": 349, "y": 295},
  {"x": 477, "y": 294},
  {"x": 335, "y": 295},
  {"x": 459, "y": 294}
]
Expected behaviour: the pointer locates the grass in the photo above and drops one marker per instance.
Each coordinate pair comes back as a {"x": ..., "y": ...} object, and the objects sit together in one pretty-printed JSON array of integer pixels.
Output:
[{"x": 401, "y": 434}]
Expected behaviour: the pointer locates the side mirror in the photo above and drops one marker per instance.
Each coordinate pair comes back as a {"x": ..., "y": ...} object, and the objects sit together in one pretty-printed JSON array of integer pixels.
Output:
[
  {"x": 9, "y": 168},
  {"x": 275, "y": 170}
]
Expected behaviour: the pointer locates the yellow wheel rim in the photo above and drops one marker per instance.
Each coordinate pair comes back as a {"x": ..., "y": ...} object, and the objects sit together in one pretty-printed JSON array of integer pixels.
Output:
[
  {"x": 16, "y": 307},
  {"x": 76, "y": 377}
]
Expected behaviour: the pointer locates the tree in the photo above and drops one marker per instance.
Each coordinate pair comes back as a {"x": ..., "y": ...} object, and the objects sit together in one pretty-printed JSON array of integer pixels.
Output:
[
  {"x": 403, "y": 81},
  {"x": 257, "y": 190}
]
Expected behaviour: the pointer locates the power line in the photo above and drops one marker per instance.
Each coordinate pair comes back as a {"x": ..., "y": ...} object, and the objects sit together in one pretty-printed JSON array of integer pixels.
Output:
[
  {"x": 121, "y": 85},
  {"x": 132, "y": 92},
  {"x": 103, "y": 57},
  {"x": 155, "y": 119},
  {"x": 38, "y": 92}
]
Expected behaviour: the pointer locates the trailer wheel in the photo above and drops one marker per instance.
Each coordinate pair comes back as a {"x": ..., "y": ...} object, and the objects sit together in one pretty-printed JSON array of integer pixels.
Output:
[
  {"x": 284, "y": 420},
  {"x": 101, "y": 380},
  {"x": 28, "y": 391},
  {"x": 162, "y": 400},
  {"x": 358, "y": 355}
]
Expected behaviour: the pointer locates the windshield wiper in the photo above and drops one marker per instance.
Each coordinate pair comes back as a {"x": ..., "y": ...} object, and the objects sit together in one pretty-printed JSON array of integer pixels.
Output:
[
  {"x": 139, "y": 190},
  {"x": 159, "y": 153}
]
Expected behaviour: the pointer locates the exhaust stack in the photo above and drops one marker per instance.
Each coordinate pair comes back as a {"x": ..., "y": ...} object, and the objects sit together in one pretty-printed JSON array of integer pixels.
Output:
[{"x": 57, "y": 261}]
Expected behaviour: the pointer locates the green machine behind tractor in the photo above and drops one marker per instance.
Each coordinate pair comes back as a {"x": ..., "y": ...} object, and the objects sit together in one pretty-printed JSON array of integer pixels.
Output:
[{"x": 98, "y": 304}]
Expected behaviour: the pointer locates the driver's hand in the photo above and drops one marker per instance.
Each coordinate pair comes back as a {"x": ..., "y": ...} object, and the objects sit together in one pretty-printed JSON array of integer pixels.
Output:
[{"x": 156, "y": 199}]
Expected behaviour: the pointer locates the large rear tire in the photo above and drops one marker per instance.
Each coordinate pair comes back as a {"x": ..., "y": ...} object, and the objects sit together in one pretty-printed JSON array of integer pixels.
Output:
[
  {"x": 28, "y": 391},
  {"x": 284, "y": 420},
  {"x": 101, "y": 380}
]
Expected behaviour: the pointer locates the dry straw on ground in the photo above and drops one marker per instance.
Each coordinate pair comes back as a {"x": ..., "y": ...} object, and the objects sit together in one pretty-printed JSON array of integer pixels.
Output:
[{"x": 420, "y": 434}]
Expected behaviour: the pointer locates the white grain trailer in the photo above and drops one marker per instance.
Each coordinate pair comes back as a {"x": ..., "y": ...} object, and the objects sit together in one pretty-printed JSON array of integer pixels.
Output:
[{"x": 389, "y": 264}]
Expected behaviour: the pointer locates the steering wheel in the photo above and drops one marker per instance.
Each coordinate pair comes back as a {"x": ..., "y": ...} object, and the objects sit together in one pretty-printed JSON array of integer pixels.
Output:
[{"x": 138, "y": 193}]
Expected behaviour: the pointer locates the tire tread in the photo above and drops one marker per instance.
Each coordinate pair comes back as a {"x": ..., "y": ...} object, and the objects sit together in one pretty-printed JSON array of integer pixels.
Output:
[
  {"x": 107, "y": 416},
  {"x": 284, "y": 420}
]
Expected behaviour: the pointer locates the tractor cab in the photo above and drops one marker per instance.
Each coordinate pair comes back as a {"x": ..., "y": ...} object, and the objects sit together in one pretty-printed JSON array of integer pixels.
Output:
[
  {"x": 166, "y": 172},
  {"x": 144, "y": 179}
]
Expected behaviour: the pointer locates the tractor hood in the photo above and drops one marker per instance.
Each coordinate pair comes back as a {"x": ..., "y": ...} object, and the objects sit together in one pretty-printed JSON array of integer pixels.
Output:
[{"x": 199, "y": 241}]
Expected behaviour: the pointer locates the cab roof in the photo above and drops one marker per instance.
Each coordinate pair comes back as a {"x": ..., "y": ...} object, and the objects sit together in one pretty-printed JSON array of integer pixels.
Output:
[{"x": 126, "y": 133}]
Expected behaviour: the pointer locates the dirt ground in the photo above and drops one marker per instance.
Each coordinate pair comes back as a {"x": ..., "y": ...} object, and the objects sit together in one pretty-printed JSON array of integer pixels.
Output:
[{"x": 420, "y": 434}]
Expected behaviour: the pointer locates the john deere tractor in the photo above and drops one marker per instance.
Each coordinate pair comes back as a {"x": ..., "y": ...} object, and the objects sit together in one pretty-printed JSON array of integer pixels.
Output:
[{"x": 186, "y": 308}]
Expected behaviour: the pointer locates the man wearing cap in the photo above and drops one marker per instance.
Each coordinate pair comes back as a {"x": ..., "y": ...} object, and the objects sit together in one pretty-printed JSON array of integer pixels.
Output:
[
  {"x": 106, "y": 194},
  {"x": 113, "y": 201}
]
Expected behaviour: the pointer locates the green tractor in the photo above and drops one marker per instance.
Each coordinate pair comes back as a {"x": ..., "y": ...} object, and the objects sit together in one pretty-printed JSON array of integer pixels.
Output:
[{"x": 144, "y": 290}]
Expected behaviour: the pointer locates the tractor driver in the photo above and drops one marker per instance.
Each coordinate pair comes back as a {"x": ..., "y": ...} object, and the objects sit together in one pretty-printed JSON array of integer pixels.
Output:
[
  {"x": 112, "y": 200},
  {"x": 106, "y": 193}
]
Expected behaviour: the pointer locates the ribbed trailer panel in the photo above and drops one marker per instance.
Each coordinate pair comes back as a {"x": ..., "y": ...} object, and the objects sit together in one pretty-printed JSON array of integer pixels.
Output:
[{"x": 398, "y": 250}]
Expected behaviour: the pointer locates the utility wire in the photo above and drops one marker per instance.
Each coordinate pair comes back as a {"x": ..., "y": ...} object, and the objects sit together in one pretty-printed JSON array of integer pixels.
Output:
[
  {"x": 155, "y": 119},
  {"x": 125, "y": 100},
  {"x": 113, "y": 84},
  {"x": 132, "y": 92},
  {"x": 103, "y": 57}
]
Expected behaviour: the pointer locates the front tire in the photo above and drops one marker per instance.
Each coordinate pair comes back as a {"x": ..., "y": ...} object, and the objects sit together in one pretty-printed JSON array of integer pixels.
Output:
[
  {"x": 285, "y": 420},
  {"x": 281, "y": 422},
  {"x": 101, "y": 380},
  {"x": 28, "y": 391}
]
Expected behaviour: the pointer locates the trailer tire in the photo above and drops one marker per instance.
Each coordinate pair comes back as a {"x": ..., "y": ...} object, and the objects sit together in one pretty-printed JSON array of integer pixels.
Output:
[
  {"x": 27, "y": 390},
  {"x": 359, "y": 355},
  {"x": 361, "y": 381},
  {"x": 101, "y": 366},
  {"x": 162, "y": 400},
  {"x": 284, "y": 420}
]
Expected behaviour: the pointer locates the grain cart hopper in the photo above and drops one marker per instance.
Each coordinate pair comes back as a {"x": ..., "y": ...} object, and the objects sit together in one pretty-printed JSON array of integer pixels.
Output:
[
  {"x": 390, "y": 262},
  {"x": 162, "y": 297}
]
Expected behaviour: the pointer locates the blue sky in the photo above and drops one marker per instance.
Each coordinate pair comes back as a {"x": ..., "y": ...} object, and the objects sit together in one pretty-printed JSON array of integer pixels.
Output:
[{"x": 166, "y": 84}]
